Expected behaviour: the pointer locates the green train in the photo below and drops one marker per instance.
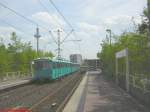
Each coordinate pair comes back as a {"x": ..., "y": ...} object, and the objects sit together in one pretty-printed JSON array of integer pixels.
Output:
[{"x": 46, "y": 68}]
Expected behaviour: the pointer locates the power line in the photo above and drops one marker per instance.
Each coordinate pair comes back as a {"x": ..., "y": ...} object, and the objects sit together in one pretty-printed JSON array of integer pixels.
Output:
[
  {"x": 51, "y": 1},
  {"x": 61, "y": 14},
  {"x": 57, "y": 21},
  {"x": 27, "y": 19},
  {"x": 46, "y": 9},
  {"x": 15, "y": 27},
  {"x": 53, "y": 37},
  {"x": 72, "y": 31},
  {"x": 67, "y": 36},
  {"x": 19, "y": 14},
  {"x": 52, "y": 17}
]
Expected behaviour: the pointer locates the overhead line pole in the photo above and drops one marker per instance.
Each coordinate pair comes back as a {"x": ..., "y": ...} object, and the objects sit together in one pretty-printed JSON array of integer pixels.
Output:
[
  {"x": 51, "y": 1},
  {"x": 59, "y": 43},
  {"x": 55, "y": 21}
]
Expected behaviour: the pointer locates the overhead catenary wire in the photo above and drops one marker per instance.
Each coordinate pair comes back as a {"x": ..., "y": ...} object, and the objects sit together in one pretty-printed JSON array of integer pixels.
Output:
[
  {"x": 35, "y": 23},
  {"x": 61, "y": 14},
  {"x": 68, "y": 23},
  {"x": 58, "y": 23},
  {"x": 25, "y": 18},
  {"x": 53, "y": 37},
  {"x": 67, "y": 36},
  {"x": 51, "y": 1},
  {"x": 46, "y": 9},
  {"x": 13, "y": 26},
  {"x": 12, "y": 10},
  {"x": 22, "y": 16}
]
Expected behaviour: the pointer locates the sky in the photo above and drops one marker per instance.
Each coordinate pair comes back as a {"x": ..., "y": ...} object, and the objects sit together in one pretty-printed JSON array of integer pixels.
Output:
[{"x": 89, "y": 19}]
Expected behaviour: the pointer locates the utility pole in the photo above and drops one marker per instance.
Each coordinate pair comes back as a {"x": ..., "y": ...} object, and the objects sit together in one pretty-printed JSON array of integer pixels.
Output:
[
  {"x": 59, "y": 50},
  {"x": 37, "y": 36}
]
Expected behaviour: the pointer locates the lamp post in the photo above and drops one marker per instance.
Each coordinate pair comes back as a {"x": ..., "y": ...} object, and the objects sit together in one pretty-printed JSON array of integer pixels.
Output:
[
  {"x": 148, "y": 7},
  {"x": 109, "y": 31}
]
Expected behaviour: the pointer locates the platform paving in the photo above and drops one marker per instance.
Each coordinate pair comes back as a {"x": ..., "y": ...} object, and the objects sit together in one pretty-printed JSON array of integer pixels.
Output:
[{"x": 95, "y": 94}]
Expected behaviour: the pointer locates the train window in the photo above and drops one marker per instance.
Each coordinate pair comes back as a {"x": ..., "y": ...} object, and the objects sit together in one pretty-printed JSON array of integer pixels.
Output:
[
  {"x": 60, "y": 65},
  {"x": 38, "y": 65},
  {"x": 46, "y": 65},
  {"x": 63, "y": 64},
  {"x": 57, "y": 65},
  {"x": 54, "y": 65}
]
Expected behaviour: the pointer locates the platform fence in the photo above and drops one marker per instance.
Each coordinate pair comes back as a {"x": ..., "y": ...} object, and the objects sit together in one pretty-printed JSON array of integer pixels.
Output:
[{"x": 140, "y": 82}]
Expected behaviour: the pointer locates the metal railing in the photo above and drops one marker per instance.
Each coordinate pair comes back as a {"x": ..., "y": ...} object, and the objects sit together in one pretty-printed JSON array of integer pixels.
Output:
[
  {"x": 142, "y": 83},
  {"x": 138, "y": 81},
  {"x": 15, "y": 76}
]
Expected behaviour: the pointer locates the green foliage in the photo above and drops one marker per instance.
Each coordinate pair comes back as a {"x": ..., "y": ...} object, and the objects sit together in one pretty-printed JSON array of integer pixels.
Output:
[
  {"x": 17, "y": 56},
  {"x": 139, "y": 52}
]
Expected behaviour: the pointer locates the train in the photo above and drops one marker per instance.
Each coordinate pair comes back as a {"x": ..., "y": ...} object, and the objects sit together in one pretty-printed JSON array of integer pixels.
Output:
[{"x": 47, "y": 68}]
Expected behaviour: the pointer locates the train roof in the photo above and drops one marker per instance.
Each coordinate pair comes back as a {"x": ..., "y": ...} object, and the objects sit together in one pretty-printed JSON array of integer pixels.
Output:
[{"x": 54, "y": 60}]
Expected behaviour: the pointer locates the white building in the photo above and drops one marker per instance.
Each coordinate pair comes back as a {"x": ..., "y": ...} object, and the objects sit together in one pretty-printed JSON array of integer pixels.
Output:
[{"x": 76, "y": 58}]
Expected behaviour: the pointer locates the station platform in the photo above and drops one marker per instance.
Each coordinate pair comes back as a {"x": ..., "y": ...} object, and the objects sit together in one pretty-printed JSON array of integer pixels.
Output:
[
  {"x": 13, "y": 83},
  {"x": 95, "y": 94}
]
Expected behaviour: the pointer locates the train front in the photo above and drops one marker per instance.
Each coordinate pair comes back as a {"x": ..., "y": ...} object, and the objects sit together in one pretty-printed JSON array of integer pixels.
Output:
[{"x": 41, "y": 69}]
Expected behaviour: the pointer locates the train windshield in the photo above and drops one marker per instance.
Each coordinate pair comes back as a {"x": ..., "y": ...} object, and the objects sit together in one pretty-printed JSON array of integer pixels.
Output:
[{"x": 39, "y": 65}]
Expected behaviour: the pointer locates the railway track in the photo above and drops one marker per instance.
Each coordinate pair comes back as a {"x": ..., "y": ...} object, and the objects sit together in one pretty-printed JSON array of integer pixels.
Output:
[
  {"x": 39, "y": 97},
  {"x": 56, "y": 97}
]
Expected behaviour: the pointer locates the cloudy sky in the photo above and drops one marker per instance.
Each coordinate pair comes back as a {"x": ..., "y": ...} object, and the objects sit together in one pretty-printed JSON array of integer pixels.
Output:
[{"x": 89, "y": 18}]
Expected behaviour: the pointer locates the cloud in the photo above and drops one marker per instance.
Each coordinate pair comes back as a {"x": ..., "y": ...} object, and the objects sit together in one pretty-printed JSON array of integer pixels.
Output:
[
  {"x": 122, "y": 19},
  {"x": 50, "y": 19},
  {"x": 87, "y": 30},
  {"x": 6, "y": 31},
  {"x": 88, "y": 27},
  {"x": 89, "y": 18}
]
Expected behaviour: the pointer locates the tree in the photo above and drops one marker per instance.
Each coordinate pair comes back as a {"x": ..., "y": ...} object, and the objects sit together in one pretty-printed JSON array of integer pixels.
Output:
[{"x": 18, "y": 55}]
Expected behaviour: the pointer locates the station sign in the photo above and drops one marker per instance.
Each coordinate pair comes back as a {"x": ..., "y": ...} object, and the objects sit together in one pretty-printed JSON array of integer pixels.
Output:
[{"x": 122, "y": 53}]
